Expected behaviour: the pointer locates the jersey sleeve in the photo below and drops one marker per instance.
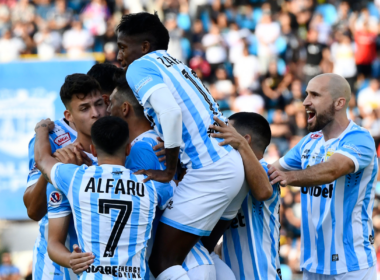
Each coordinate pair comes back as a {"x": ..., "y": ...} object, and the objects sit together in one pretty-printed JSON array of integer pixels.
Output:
[
  {"x": 57, "y": 203},
  {"x": 142, "y": 156},
  {"x": 359, "y": 146},
  {"x": 144, "y": 78},
  {"x": 62, "y": 175},
  {"x": 164, "y": 193},
  {"x": 34, "y": 173},
  {"x": 292, "y": 159}
]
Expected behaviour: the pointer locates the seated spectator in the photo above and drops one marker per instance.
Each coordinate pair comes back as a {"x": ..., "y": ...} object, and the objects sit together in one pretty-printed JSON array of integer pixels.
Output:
[
  {"x": 200, "y": 65},
  {"x": 4, "y": 18},
  {"x": 76, "y": 41},
  {"x": 248, "y": 102},
  {"x": 343, "y": 57},
  {"x": 313, "y": 55},
  {"x": 267, "y": 32},
  {"x": 23, "y": 11},
  {"x": 95, "y": 16},
  {"x": 7, "y": 270},
  {"x": 215, "y": 47},
  {"x": 10, "y": 48},
  {"x": 223, "y": 84},
  {"x": 48, "y": 42},
  {"x": 369, "y": 98},
  {"x": 273, "y": 86},
  {"x": 43, "y": 8},
  {"x": 197, "y": 33},
  {"x": 246, "y": 71},
  {"x": 60, "y": 16}
]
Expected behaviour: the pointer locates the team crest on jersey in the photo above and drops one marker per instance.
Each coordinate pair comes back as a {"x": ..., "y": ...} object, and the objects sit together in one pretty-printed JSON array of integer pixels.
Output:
[
  {"x": 55, "y": 198},
  {"x": 316, "y": 135},
  {"x": 62, "y": 139}
]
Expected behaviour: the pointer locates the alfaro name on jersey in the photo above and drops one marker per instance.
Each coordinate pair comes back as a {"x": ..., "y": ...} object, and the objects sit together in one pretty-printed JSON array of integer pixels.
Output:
[
  {"x": 157, "y": 70},
  {"x": 113, "y": 213},
  {"x": 336, "y": 226}
]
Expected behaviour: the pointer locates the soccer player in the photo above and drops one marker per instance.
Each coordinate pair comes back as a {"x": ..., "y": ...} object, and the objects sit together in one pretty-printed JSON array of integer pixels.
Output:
[
  {"x": 143, "y": 138},
  {"x": 107, "y": 76},
  {"x": 180, "y": 109},
  {"x": 251, "y": 243},
  {"x": 113, "y": 209},
  {"x": 335, "y": 165},
  {"x": 85, "y": 107}
]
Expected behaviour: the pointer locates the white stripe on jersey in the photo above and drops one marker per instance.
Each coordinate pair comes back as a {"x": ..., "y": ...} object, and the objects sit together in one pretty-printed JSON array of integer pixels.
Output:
[
  {"x": 251, "y": 243},
  {"x": 336, "y": 226}
]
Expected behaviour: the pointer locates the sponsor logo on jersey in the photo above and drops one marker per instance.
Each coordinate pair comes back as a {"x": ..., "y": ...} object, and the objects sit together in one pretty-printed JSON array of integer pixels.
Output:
[
  {"x": 62, "y": 139},
  {"x": 353, "y": 148},
  {"x": 316, "y": 135},
  {"x": 335, "y": 258},
  {"x": 319, "y": 191},
  {"x": 142, "y": 83},
  {"x": 55, "y": 198},
  {"x": 129, "y": 272}
]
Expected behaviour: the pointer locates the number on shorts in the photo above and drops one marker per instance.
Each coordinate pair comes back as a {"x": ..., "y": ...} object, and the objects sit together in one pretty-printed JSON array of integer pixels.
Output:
[{"x": 125, "y": 208}]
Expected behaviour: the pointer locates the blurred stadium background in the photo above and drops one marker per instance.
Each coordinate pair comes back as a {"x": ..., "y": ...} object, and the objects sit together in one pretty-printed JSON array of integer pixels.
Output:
[{"x": 254, "y": 55}]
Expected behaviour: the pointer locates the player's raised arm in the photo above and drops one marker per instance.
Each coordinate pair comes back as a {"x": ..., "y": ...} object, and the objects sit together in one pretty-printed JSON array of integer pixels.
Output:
[{"x": 42, "y": 149}]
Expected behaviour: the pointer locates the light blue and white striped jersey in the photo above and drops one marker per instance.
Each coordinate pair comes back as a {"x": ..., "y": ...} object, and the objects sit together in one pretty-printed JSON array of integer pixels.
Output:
[
  {"x": 43, "y": 267},
  {"x": 157, "y": 70},
  {"x": 140, "y": 157},
  {"x": 113, "y": 215},
  {"x": 251, "y": 243},
  {"x": 336, "y": 226}
]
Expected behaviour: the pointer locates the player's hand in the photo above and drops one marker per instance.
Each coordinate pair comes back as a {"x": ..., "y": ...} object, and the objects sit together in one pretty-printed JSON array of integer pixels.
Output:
[
  {"x": 228, "y": 133},
  {"x": 48, "y": 123},
  {"x": 79, "y": 261},
  {"x": 157, "y": 175},
  {"x": 73, "y": 154},
  {"x": 160, "y": 148},
  {"x": 277, "y": 176}
]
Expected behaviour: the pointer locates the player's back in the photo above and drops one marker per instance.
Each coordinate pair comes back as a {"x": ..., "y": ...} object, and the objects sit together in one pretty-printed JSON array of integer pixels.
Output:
[
  {"x": 158, "y": 69},
  {"x": 113, "y": 214}
]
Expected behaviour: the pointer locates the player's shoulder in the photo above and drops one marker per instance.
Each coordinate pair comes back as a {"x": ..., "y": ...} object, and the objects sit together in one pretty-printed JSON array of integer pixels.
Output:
[
  {"x": 357, "y": 135},
  {"x": 148, "y": 138},
  {"x": 146, "y": 61},
  {"x": 264, "y": 164},
  {"x": 355, "y": 130}
]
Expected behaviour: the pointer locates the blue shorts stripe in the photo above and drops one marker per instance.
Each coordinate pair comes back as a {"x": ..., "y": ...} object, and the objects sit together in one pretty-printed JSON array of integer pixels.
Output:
[{"x": 185, "y": 228}]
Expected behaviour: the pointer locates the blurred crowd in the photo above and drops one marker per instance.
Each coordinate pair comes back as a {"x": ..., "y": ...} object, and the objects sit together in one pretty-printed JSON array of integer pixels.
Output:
[{"x": 254, "y": 56}]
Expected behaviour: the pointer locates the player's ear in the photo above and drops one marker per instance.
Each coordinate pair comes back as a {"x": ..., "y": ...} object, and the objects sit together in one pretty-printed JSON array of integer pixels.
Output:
[
  {"x": 68, "y": 115},
  {"x": 340, "y": 104},
  {"x": 145, "y": 47},
  {"x": 248, "y": 138},
  {"x": 125, "y": 109},
  {"x": 128, "y": 149},
  {"x": 93, "y": 150}
]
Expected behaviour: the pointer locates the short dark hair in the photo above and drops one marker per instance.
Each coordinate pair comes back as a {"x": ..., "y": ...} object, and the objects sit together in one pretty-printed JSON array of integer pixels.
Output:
[
  {"x": 109, "y": 134},
  {"x": 255, "y": 125},
  {"x": 147, "y": 26},
  {"x": 107, "y": 75},
  {"x": 125, "y": 94},
  {"x": 77, "y": 84}
]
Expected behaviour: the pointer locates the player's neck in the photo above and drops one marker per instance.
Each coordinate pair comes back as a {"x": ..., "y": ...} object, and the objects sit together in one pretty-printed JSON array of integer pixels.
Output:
[
  {"x": 335, "y": 128},
  {"x": 138, "y": 126},
  {"x": 111, "y": 160},
  {"x": 85, "y": 141}
]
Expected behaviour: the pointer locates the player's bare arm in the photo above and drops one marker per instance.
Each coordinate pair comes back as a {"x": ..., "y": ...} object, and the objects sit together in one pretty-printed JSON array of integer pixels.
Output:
[
  {"x": 76, "y": 260},
  {"x": 336, "y": 166},
  {"x": 35, "y": 199},
  {"x": 255, "y": 175},
  {"x": 42, "y": 149}
]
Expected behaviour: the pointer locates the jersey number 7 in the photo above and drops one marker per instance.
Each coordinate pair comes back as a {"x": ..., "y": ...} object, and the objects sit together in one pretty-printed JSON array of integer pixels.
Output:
[{"x": 125, "y": 208}]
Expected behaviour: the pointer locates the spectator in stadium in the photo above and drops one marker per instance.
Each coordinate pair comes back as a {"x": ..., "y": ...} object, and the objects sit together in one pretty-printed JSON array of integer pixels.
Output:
[
  {"x": 23, "y": 11},
  {"x": 59, "y": 17},
  {"x": 48, "y": 42},
  {"x": 42, "y": 10},
  {"x": 247, "y": 71},
  {"x": 7, "y": 270},
  {"x": 76, "y": 41},
  {"x": 248, "y": 102},
  {"x": 314, "y": 57},
  {"x": 10, "y": 48},
  {"x": 94, "y": 17},
  {"x": 369, "y": 98}
]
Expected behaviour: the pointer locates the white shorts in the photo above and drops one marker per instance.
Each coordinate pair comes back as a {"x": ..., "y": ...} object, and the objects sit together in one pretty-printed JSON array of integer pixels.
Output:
[
  {"x": 202, "y": 272},
  {"x": 204, "y": 194},
  {"x": 223, "y": 272},
  {"x": 363, "y": 274},
  {"x": 232, "y": 209}
]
